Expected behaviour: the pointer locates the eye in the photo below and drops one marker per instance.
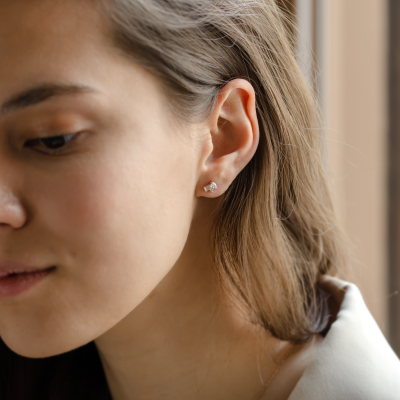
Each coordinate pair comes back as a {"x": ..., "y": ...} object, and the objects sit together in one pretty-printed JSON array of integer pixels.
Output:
[{"x": 50, "y": 143}]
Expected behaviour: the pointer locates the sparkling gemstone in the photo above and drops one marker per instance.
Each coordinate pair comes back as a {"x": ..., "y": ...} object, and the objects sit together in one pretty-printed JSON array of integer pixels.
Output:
[{"x": 210, "y": 187}]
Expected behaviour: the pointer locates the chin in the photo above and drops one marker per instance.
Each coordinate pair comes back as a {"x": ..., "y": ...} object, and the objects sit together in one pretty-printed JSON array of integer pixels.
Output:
[{"x": 40, "y": 346}]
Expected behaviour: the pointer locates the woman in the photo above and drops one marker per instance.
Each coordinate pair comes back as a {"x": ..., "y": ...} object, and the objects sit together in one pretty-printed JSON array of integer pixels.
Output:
[{"x": 166, "y": 229}]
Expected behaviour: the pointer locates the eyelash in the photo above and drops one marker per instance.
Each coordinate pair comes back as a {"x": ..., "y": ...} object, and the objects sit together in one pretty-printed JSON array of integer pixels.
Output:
[{"x": 65, "y": 139}]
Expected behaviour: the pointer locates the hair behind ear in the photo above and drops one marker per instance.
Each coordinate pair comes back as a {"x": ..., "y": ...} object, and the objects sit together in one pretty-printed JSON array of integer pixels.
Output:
[{"x": 276, "y": 232}]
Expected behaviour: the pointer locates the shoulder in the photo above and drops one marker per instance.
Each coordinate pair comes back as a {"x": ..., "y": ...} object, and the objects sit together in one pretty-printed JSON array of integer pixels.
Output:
[{"x": 354, "y": 360}]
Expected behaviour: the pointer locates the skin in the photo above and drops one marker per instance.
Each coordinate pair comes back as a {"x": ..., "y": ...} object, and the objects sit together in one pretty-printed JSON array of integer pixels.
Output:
[{"x": 121, "y": 213}]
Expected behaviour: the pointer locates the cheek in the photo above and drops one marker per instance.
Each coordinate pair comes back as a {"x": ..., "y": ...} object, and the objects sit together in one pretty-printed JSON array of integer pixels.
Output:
[
  {"x": 114, "y": 228},
  {"x": 123, "y": 212}
]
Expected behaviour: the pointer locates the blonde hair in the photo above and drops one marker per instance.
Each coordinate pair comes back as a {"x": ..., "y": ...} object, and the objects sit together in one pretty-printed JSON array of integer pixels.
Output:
[{"x": 276, "y": 232}]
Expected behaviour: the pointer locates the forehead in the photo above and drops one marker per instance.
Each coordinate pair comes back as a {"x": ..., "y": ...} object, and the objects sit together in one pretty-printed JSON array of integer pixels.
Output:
[
  {"x": 46, "y": 21},
  {"x": 42, "y": 38},
  {"x": 50, "y": 16}
]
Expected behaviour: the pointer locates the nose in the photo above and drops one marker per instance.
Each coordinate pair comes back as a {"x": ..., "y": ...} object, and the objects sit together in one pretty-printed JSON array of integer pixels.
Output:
[{"x": 12, "y": 213}]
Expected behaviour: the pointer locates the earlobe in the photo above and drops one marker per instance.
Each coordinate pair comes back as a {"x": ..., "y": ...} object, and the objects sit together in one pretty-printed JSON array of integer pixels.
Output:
[{"x": 234, "y": 135}]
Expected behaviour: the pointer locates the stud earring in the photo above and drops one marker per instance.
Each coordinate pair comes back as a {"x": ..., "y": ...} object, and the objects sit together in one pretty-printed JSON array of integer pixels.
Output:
[{"x": 210, "y": 187}]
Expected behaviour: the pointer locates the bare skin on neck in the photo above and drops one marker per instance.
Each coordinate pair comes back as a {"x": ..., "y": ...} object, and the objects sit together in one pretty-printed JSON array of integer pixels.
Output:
[{"x": 188, "y": 341}]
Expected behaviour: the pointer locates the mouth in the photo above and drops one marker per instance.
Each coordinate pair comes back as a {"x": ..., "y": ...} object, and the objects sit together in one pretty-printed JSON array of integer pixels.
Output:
[{"x": 13, "y": 283}]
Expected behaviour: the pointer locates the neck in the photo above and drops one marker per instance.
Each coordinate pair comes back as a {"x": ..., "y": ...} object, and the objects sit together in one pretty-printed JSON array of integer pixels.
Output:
[{"x": 186, "y": 340}]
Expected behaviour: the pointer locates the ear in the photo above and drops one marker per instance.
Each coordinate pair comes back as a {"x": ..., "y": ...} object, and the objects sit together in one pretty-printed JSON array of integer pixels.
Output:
[{"x": 234, "y": 131}]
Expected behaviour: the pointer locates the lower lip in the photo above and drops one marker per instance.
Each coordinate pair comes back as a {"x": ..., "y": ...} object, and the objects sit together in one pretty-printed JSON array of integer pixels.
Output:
[{"x": 13, "y": 285}]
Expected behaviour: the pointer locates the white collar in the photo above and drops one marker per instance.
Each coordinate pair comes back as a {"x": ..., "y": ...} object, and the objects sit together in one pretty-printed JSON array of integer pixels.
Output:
[{"x": 354, "y": 360}]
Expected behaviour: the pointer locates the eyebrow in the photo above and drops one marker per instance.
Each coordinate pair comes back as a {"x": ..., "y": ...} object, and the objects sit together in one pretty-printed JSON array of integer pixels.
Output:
[{"x": 42, "y": 93}]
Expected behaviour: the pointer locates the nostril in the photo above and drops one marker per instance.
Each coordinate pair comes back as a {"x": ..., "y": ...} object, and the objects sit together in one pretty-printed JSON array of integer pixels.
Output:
[
  {"x": 4, "y": 224},
  {"x": 5, "y": 227}
]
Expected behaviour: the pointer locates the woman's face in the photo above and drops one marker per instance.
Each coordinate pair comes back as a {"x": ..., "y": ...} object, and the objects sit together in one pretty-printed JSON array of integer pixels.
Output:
[{"x": 110, "y": 204}]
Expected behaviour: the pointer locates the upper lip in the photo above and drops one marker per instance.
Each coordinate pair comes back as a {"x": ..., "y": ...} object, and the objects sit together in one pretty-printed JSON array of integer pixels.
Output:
[{"x": 11, "y": 267}]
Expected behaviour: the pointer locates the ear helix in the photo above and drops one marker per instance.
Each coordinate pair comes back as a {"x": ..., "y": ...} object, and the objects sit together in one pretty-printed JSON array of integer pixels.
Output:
[{"x": 210, "y": 187}]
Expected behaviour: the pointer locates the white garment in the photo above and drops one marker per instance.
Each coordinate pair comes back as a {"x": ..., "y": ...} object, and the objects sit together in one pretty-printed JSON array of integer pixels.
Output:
[{"x": 354, "y": 360}]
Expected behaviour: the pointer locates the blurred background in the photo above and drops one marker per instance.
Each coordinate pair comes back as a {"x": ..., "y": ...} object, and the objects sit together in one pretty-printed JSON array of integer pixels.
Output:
[{"x": 349, "y": 50}]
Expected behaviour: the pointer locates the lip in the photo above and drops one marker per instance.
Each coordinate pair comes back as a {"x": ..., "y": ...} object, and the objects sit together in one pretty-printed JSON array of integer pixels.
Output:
[{"x": 16, "y": 278}]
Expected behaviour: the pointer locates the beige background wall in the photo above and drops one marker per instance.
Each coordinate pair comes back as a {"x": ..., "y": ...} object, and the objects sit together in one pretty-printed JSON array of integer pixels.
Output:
[
  {"x": 350, "y": 45},
  {"x": 355, "y": 91}
]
